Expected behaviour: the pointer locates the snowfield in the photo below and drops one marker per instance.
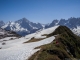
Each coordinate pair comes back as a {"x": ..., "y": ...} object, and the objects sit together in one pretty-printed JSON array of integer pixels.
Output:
[
  {"x": 39, "y": 34},
  {"x": 22, "y": 51},
  {"x": 16, "y": 49}
]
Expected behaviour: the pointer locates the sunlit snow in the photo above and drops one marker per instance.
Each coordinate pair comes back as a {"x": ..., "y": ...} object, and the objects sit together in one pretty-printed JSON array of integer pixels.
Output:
[{"x": 16, "y": 49}]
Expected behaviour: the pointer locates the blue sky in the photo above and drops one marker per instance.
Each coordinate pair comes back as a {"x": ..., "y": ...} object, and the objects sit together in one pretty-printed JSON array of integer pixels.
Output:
[{"x": 43, "y": 11}]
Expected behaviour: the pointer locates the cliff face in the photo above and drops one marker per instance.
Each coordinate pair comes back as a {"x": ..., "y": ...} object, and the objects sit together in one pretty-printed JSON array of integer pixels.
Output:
[{"x": 65, "y": 46}]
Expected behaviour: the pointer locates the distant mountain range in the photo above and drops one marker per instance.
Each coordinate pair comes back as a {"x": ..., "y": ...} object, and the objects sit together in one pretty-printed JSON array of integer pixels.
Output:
[
  {"x": 71, "y": 22},
  {"x": 24, "y": 26}
]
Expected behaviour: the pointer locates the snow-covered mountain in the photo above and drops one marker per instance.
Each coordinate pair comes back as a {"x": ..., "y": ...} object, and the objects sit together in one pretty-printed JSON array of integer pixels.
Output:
[
  {"x": 72, "y": 23},
  {"x": 23, "y": 26}
]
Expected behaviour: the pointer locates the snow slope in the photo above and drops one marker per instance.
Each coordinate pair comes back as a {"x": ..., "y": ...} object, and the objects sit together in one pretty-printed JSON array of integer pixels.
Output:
[
  {"x": 16, "y": 49},
  {"x": 39, "y": 34},
  {"x": 76, "y": 30},
  {"x": 21, "y": 51}
]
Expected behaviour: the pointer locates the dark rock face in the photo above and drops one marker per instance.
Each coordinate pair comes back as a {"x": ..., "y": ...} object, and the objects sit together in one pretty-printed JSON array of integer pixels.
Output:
[{"x": 54, "y": 22}]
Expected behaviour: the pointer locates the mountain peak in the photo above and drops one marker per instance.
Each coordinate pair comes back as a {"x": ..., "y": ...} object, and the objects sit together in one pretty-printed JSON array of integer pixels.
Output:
[{"x": 22, "y": 20}]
